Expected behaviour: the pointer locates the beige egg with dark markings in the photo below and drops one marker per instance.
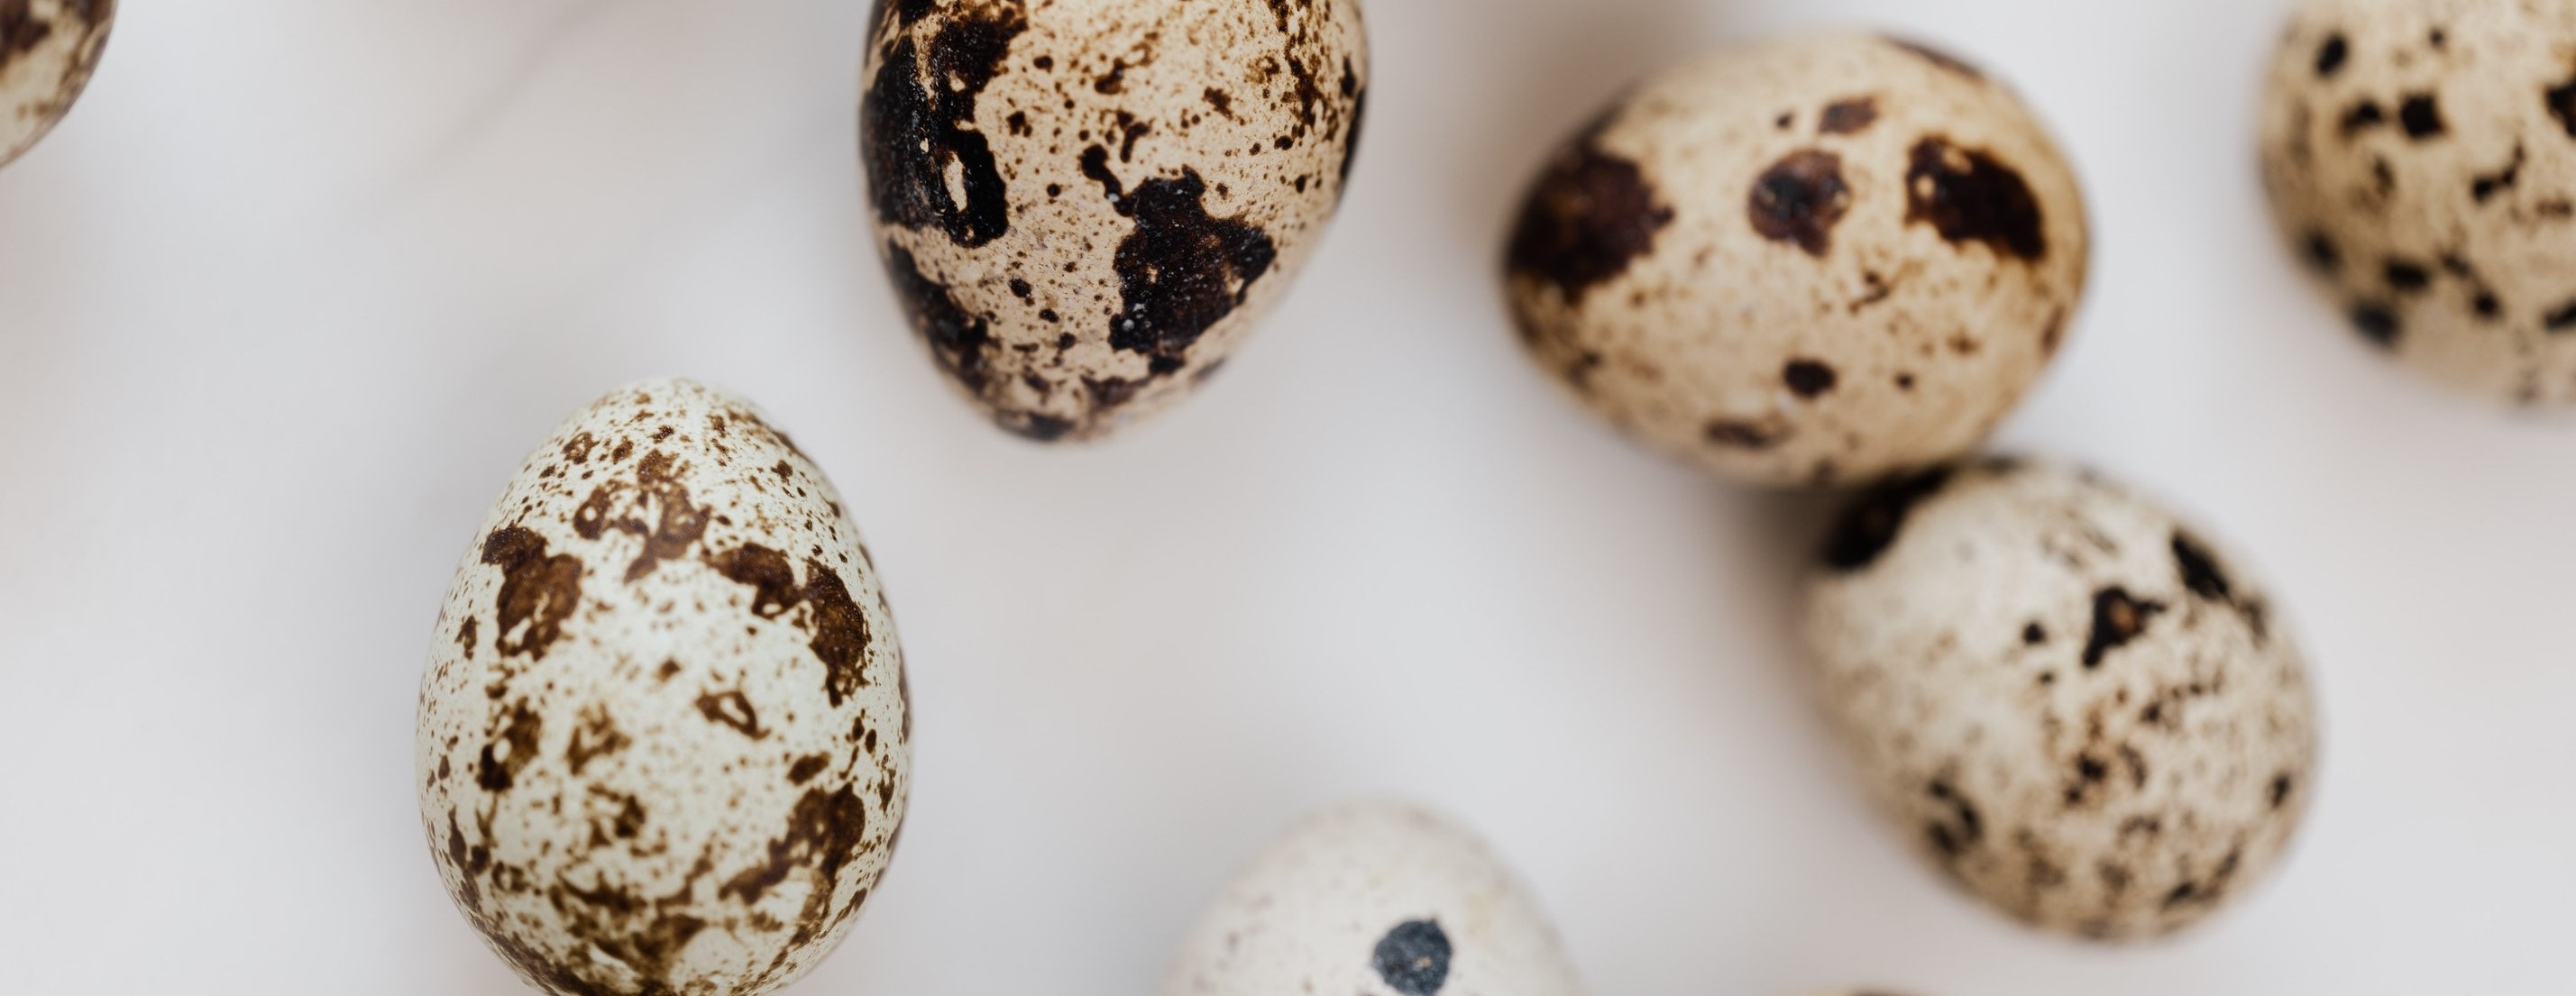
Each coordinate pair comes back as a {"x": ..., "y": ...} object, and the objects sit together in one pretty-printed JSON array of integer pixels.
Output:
[
  {"x": 1814, "y": 260},
  {"x": 1373, "y": 899},
  {"x": 1086, "y": 207},
  {"x": 2421, "y": 161},
  {"x": 2071, "y": 702},
  {"x": 665, "y": 736},
  {"x": 48, "y": 48}
]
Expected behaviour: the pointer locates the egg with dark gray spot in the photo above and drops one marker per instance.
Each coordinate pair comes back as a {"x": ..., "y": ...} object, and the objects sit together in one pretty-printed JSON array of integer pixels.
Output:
[
  {"x": 1819, "y": 259},
  {"x": 1376, "y": 899},
  {"x": 1085, "y": 208},
  {"x": 2421, "y": 161},
  {"x": 664, "y": 737},
  {"x": 2079, "y": 707},
  {"x": 48, "y": 49}
]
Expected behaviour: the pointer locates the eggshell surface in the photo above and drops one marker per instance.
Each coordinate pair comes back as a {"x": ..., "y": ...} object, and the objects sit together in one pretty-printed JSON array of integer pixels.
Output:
[
  {"x": 2421, "y": 161},
  {"x": 2072, "y": 703},
  {"x": 1818, "y": 259},
  {"x": 1085, "y": 207},
  {"x": 48, "y": 48},
  {"x": 1377, "y": 899},
  {"x": 664, "y": 736}
]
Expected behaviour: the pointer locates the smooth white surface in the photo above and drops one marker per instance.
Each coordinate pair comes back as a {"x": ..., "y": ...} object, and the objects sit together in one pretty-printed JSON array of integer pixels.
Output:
[{"x": 289, "y": 295}]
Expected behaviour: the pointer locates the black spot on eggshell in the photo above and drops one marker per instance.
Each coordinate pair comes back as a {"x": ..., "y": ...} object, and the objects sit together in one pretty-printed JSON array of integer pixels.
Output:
[
  {"x": 1808, "y": 378},
  {"x": 1590, "y": 215},
  {"x": 538, "y": 592},
  {"x": 2201, "y": 574},
  {"x": 1970, "y": 196},
  {"x": 1413, "y": 958},
  {"x": 1358, "y": 96},
  {"x": 1960, "y": 828},
  {"x": 2332, "y": 55},
  {"x": 511, "y": 749},
  {"x": 1799, "y": 200},
  {"x": 2421, "y": 116},
  {"x": 918, "y": 122},
  {"x": 1181, "y": 270},
  {"x": 1872, "y": 523},
  {"x": 2118, "y": 617},
  {"x": 2375, "y": 322}
]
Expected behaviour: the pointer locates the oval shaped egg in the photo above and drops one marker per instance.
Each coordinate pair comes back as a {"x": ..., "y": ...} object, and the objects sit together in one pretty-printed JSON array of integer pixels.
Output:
[
  {"x": 2421, "y": 160},
  {"x": 48, "y": 48},
  {"x": 1812, "y": 260},
  {"x": 1085, "y": 207},
  {"x": 665, "y": 737},
  {"x": 1373, "y": 900},
  {"x": 2070, "y": 701}
]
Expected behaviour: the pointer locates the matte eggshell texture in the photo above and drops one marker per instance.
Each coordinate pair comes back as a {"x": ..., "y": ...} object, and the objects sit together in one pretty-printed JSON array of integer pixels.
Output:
[
  {"x": 664, "y": 737},
  {"x": 1085, "y": 205},
  {"x": 1373, "y": 900},
  {"x": 2069, "y": 701},
  {"x": 47, "y": 50},
  {"x": 2421, "y": 160},
  {"x": 1812, "y": 260}
]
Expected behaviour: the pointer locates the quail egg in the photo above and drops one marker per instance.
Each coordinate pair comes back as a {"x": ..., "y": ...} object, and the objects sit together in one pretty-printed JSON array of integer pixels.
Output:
[
  {"x": 48, "y": 48},
  {"x": 664, "y": 737},
  {"x": 2073, "y": 703},
  {"x": 1085, "y": 207},
  {"x": 1374, "y": 900},
  {"x": 1814, "y": 260},
  {"x": 2421, "y": 161}
]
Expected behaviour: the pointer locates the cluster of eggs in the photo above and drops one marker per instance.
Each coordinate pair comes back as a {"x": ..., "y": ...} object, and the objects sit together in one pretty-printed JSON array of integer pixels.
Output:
[{"x": 664, "y": 736}]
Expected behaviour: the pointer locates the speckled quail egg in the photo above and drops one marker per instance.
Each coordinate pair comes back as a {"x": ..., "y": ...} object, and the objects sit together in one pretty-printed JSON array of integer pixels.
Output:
[
  {"x": 48, "y": 49},
  {"x": 1812, "y": 260},
  {"x": 2070, "y": 701},
  {"x": 1375, "y": 899},
  {"x": 1085, "y": 207},
  {"x": 2421, "y": 160},
  {"x": 664, "y": 737}
]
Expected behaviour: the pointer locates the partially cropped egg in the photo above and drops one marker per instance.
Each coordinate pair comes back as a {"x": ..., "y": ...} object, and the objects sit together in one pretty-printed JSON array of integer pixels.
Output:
[
  {"x": 1086, "y": 207},
  {"x": 2074, "y": 704},
  {"x": 1813, "y": 260},
  {"x": 1374, "y": 900},
  {"x": 2421, "y": 161},
  {"x": 664, "y": 738},
  {"x": 48, "y": 48}
]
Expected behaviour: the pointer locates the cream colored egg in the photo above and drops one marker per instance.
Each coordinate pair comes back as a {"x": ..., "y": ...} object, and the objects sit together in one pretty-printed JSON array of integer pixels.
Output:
[
  {"x": 48, "y": 48},
  {"x": 1375, "y": 899},
  {"x": 2421, "y": 160},
  {"x": 2071, "y": 702},
  {"x": 1086, "y": 207},
  {"x": 1820, "y": 259},
  {"x": 665, "y": 736}
]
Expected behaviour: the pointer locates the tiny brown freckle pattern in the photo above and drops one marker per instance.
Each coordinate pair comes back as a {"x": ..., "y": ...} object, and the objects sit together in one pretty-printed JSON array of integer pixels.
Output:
[
  {"x": 1085, "y": 208},
  {"x": 2072, "y": 704},
  {"x": 659, "y": 752}
]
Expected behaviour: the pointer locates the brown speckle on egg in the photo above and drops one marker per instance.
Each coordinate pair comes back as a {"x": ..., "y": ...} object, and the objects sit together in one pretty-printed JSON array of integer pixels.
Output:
[
  {"x": 1023, "y": 158},
  {"x": 1693, "y": 263}
]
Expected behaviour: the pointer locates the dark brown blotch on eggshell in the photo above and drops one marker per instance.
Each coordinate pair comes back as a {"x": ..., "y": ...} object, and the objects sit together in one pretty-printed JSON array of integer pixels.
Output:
[
  {"x": 1590, "y": 215},
  {"x": 1800, "y": 199}
]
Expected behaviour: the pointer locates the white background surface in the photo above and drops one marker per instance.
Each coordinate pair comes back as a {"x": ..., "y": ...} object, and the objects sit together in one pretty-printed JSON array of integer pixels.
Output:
[{"x": 300, "y": 282}]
